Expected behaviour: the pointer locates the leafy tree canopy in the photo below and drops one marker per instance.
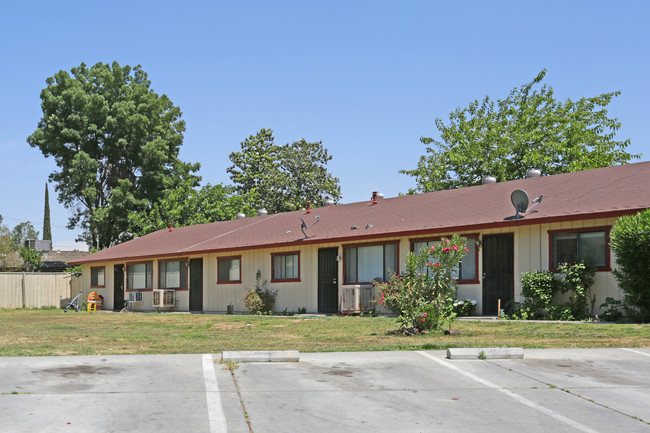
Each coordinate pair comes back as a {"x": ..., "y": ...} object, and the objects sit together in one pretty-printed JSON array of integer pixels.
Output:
[
  {"x": 282, "y": 178},
  {"x": 31, "y": 259},
  {"x": 528, "y": 129},
  {"x": 186, "y": 205},
  {"x": 22, "y": 232},
  {"x": 6, "y": 245},
  {"x": 116, "y": 143}
]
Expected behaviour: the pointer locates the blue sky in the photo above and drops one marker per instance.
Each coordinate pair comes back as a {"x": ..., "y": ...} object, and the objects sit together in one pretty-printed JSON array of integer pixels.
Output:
[{"x": 368, "y": 78}]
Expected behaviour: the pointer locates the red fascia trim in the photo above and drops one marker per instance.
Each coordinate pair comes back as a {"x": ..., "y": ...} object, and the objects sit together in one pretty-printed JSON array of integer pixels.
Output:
[
  {"x": 367, "y": 244},
  {"x": 91, "y": 277},
  {"x": 174, "y": 259},
  {"x": 226, "y": 258},
  {"x": 288, "y": 253},
  {"x": 606, "y": 229},
  {"x": 423, "y": 232}
]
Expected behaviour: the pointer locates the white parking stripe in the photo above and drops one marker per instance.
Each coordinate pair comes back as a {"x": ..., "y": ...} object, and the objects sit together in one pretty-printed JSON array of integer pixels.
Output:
[
  {"x": 215, "y": 409},
  {"x": 637, "y": 351},
  {"x": 515, "y": 396}
]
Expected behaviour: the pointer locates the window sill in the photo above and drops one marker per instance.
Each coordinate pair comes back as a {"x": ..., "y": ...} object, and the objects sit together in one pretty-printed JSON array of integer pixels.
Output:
[
  {"x": 468, "y": 282},
  {"x": 286, "y": 281},
  {"x": 602, "y": 269},
  {"x": 229, "y": 282}
]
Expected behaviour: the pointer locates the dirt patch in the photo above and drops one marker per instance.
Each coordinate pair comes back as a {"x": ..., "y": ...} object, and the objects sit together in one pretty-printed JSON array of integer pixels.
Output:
[{"x": 227, "y": 326}]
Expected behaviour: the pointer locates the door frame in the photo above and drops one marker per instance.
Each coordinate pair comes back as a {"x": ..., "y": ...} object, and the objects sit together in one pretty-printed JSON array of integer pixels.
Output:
[
  {"x": 511, "y": 235},
  {"x": 117, "y": 307},
  {"x": 191, "y": 290},
  {"x": 320, "y": 291}
]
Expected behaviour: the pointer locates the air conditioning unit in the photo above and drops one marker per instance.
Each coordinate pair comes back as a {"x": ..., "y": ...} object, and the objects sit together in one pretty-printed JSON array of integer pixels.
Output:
[
  {"x": 357, "y": 299},
  {"x": 135, "y": 297},
  {"x": 164, "y": 298},
  {"x": 350, "y": 300}
]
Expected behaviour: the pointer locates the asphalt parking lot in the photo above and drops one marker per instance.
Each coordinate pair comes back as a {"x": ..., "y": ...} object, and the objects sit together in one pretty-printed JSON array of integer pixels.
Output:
[{"x": 550, "y": 390}]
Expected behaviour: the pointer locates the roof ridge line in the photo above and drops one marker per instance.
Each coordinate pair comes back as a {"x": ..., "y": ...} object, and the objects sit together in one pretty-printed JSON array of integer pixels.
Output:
[{"x": 227, "y": 233}]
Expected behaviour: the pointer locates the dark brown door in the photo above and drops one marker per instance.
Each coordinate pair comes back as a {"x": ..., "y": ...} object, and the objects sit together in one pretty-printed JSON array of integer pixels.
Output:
[
  {"x": 118, "y": 287},
  {"x": 328, "y": 288},
  {"x": 498, "y": 272},
  {"x": 196, "y": 285}
]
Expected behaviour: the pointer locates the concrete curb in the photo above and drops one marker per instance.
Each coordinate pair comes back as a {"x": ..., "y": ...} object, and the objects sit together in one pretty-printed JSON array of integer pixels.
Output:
[
  {"x": 261, "y": 356},
  {"x": 488, "y": 353}
]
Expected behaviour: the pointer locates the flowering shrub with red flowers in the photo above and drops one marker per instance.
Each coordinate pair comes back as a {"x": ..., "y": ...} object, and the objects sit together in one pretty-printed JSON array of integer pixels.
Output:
[{"x": 422, "y": 297}]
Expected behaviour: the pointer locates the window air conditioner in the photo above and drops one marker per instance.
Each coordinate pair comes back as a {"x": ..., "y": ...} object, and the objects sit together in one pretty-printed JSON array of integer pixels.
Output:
[
  {"x": 135, "y": 297},
  {"x": 164, "y": 298}
]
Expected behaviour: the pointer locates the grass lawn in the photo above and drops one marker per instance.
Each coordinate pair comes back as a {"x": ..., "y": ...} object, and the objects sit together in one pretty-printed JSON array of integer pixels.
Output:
[{"x": 53, "y": 332}]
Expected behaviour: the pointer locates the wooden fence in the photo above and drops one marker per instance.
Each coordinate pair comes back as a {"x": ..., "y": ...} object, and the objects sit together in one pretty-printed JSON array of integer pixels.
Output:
[{"x": 37, "y": 289}]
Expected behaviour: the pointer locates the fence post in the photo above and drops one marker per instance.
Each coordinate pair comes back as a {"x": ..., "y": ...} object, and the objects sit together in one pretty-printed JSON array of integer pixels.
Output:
[{"x": 24, "y": 294}]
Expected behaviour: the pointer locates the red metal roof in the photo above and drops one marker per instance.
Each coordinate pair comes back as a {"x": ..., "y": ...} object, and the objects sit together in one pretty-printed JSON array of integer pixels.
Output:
[{"x": 602, "y": 192}]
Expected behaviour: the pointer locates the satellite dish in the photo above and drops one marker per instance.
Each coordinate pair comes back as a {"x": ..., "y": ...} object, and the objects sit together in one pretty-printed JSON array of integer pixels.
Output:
[
  {"x": 520, "y": 201},
  {"x": 304, "y": 226}
]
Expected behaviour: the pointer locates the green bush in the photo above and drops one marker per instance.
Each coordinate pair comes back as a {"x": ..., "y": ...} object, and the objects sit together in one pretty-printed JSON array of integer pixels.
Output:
[
  {"x": 538, "y": 289},
  {"x": 612, "y": 312},
  {"x": 464, "y": 307},
  {"x": 422, "y": 297},
  {"x": 261, "y": 299},
  {"x": 253, "y": 303},
  {"x": 577, "y": 282},
  {"x": 630, "y": 240}
]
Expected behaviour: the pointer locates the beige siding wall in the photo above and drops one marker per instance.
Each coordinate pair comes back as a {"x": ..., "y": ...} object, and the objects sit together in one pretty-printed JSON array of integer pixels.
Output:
[
  {"x": 41, "y": 289},
  {"x": 531, "y": 253}
]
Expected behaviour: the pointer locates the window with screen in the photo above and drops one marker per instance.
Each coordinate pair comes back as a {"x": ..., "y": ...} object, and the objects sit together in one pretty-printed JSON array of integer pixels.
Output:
[
  {"x": 589, "y": 246},
  {"x": 172, "y": 274},
  {"x": 368, "y": 263},
  {"x": 229, "y": 270},
  {"x": 285, "y": 267}
]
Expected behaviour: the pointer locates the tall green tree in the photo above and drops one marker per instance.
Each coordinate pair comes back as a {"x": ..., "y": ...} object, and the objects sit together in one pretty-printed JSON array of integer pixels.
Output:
[
  {"x": 187, "y": 205},
  {"x": 6, "y": 245},
  {"x": 630, "y": 241},
  {"x": 528, "y": 129},
  {"x": 116, "y": 143},
  {"x": 47, "y": 225},
  {"x": 22, "y": 232},
  {"x": 32, "y": 260},
  {"x": 282, "y": 178}
]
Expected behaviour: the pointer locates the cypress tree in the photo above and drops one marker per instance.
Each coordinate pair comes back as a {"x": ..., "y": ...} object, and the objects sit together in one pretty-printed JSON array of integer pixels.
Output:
[{"x": 47, "y": 227}]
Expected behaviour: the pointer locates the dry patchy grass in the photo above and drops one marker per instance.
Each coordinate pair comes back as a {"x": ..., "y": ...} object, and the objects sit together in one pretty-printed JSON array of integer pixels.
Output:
[{"x": 53, "y": 332}]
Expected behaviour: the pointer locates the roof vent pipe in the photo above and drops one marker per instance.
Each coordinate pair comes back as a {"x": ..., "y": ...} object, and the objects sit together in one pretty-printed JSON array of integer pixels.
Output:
[
  {"x": 171, "y": 227},
  {"x": 308, "y": 206},
  {"x": 262, "y": 212},
  {"x": 489, "y": 179},
  {"x": 533, "y": 172},
  {"x": 328, "y": 202},
  {"x": 240, "y": 216},
  {"x": 374, "y": 197}
]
